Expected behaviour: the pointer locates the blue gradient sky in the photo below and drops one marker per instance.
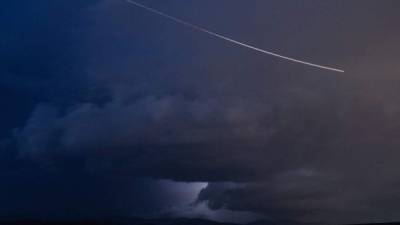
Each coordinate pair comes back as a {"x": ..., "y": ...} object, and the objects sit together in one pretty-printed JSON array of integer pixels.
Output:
[{"x": 111, "y": 111}]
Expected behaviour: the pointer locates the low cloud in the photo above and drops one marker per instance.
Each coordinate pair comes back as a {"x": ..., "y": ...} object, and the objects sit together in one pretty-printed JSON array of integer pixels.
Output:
[{"x": 270, "y": 138}]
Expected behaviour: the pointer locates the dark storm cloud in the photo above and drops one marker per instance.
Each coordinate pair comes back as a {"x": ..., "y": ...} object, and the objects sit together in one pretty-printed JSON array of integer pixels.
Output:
[{"x": 161, "y": 101}]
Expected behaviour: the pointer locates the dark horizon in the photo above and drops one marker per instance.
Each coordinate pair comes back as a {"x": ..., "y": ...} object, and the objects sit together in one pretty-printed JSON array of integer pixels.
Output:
[
  {"x": 112, "y": 111},
  {"x": 160, "y": 221}
]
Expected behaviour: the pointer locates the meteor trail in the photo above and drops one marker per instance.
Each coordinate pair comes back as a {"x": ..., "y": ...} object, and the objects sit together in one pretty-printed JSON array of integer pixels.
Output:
[{"x": 177, "y": 20}]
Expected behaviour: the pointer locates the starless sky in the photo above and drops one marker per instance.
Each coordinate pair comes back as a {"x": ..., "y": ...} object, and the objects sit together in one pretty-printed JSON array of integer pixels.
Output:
[{"x": 108, "y": 110}]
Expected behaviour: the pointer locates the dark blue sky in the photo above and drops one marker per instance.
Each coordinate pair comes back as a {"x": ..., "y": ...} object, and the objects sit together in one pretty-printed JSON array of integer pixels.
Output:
[{"x": 109, "y": 110}]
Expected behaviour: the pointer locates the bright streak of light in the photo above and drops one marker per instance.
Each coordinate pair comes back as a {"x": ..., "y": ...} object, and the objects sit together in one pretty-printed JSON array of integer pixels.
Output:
[{"x": 177, "y": 20}]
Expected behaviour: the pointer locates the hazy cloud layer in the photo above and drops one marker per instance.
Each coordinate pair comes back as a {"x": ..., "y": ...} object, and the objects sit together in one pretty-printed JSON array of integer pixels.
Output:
[{"x": 132, "y": 96}]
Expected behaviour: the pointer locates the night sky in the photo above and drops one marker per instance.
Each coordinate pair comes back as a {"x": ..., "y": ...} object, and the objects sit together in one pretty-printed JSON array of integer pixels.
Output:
[{"x": 111, "y": 111}]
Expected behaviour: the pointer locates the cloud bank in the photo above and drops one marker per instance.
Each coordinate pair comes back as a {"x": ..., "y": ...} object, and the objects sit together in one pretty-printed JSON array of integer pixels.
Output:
[{"x": 147, "y": 102}]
